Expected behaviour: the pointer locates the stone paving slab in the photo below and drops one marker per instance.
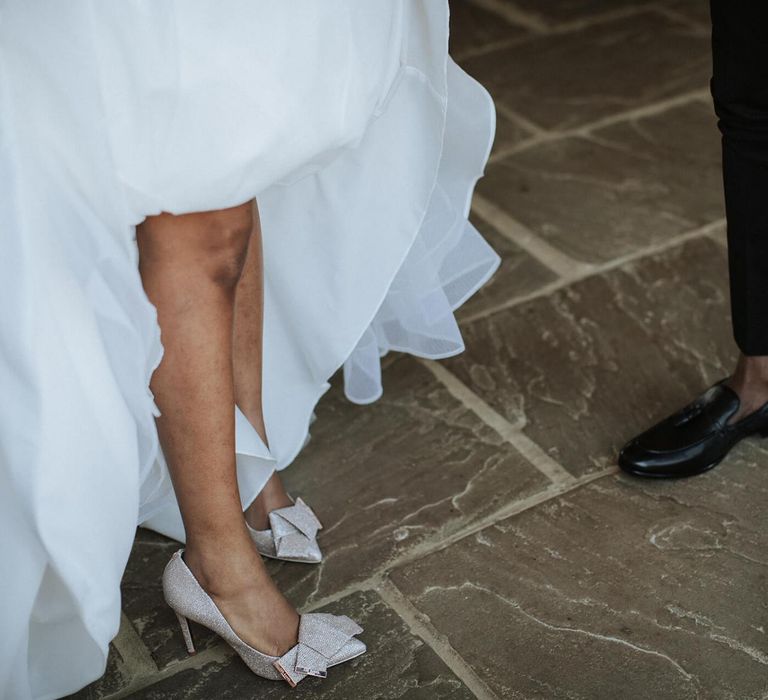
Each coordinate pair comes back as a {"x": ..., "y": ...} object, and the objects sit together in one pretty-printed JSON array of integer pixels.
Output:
[
  {"x": 551, "y": 13},
  {"x": 720, "y": 234},
  {"x": 696, "y": 10},
  {"x": 594, "y": 363},
  {"x": 398, "y": 665},
  {"x": 116, "y": 678},
  {"x": 474, "y": 28},
  {"x": 509, "y": 134},
  {"x": 416, "y": 466},
  {"x": 564, "y": 80},
  {"x": 622, "y": 589},
  {"x": 519, "y": 274},
  {"x": 625, "y": 187}
]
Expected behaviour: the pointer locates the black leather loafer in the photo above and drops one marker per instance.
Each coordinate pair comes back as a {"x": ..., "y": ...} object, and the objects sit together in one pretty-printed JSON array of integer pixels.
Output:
[{"x": 694, "y": 439}]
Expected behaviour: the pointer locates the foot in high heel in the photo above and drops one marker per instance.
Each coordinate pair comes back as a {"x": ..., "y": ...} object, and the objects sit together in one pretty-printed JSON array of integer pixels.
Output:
[{"x": 324, "y": 640}]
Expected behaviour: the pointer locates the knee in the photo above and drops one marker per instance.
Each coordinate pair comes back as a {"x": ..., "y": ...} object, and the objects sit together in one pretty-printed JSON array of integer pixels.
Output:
[
  {"x": 226, "y": 245},
  {"x": 210, "y": 245}
]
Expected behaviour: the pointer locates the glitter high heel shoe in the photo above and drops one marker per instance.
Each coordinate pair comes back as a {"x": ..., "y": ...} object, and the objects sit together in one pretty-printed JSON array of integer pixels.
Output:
[
  {"x": 292, "y": 535},
  {"x": 324, "y": 640}
]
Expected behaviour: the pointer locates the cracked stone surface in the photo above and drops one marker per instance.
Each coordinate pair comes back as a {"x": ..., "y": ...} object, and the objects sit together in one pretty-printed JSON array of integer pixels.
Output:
[
  {"x": 398, "y": 665},
  {"x": 720, "y": 235},
  {"x": 629, "y": 589},
  {"x": 474, "y": 28},
  {"x": 568, "y": 81},
  {"x": 591, "y": 365},
  {"x": 509, "y": 133},
  {"x": 518, "y": 275},
  {"x": 624, "y": 187},
  {"x": 696, "y": 10},
  {"x": 557, "y": 12},
  {"x": 384, "y": 479},
  {"x": 116, "y": 678}
]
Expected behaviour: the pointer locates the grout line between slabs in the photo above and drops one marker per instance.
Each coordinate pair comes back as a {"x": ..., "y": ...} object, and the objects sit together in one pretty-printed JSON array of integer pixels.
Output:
[
  {"x": 490, "y": 47},
  {"x": 419, "y": 625},
  {"x": 577, "y": 25},
  {"x": 537, "y": 27},
  {"x": 439, "y": 542},
  {"x": 649, "y": 110},
  {"x": 512, "y": 434},
  {"x": 680, "y": 17},
  {"x": 537, "y": 132},
  {"x": 542, "y": 136},
  {"x": 558, "y": 262},
  {"x": 513, "y": 508},
  {"x": 514, "y": 15},
  {"x": 220, "y": 652},
  {"x": 132, "y": 649},
  {"x": 369, "y": 584},
  {"x": 706, "y": 231},
  {"x": 718, "y": 238}
]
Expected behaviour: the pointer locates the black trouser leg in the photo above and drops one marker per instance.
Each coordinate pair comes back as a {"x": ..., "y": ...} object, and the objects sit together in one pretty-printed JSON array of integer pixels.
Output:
[{"x": 740, "y": 92}]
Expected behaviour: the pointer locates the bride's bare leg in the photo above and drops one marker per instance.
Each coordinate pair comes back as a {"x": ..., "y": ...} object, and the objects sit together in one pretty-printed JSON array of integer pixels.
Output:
[
  {"x": 190, "y": 266},
  {"x": 249, "y": 325}
]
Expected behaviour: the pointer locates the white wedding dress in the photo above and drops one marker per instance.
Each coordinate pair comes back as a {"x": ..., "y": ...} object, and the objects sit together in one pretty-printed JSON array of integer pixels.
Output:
[{"x": 361, "y": 141}]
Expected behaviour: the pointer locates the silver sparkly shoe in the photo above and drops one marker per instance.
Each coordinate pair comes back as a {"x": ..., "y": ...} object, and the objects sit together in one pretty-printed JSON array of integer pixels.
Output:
[
  {"x": 292, "y": 535},
  {"x": 324, "y": 640}
]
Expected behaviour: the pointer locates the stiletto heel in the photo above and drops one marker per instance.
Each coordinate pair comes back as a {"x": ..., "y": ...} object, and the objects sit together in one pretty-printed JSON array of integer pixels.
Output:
[
  {"x": 184, "y": 624},
  {"x": 324, "y": 640}
]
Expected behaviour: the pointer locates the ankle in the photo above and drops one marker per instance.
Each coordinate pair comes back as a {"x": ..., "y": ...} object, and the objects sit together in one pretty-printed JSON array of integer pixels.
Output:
[
  {"x": 224, "y": 572},
  {"x": 750, "y": 378},
  {"x": 272, "y": 497}
]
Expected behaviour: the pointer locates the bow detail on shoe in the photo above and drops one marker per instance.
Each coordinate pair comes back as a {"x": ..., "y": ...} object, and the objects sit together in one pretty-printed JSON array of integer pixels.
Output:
[
  {"x": 294, "y": 529},
  {"x": 322, "y": 641}
]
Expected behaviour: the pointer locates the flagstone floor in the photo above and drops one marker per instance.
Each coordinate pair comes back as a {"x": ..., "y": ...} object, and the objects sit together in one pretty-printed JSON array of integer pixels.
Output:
[{"x": 476, "y": 524}]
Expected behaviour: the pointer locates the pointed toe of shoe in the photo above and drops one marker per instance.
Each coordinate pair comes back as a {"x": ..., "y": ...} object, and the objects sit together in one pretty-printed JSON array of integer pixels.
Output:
[
  {"x": 308, "y": 553},
  {"x": 314, "y": 554},
  {"x": 353, "y": 648}
]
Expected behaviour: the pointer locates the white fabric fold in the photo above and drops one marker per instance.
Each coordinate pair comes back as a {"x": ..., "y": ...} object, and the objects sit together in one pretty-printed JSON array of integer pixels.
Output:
[{"x": 361, "y": 141}]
